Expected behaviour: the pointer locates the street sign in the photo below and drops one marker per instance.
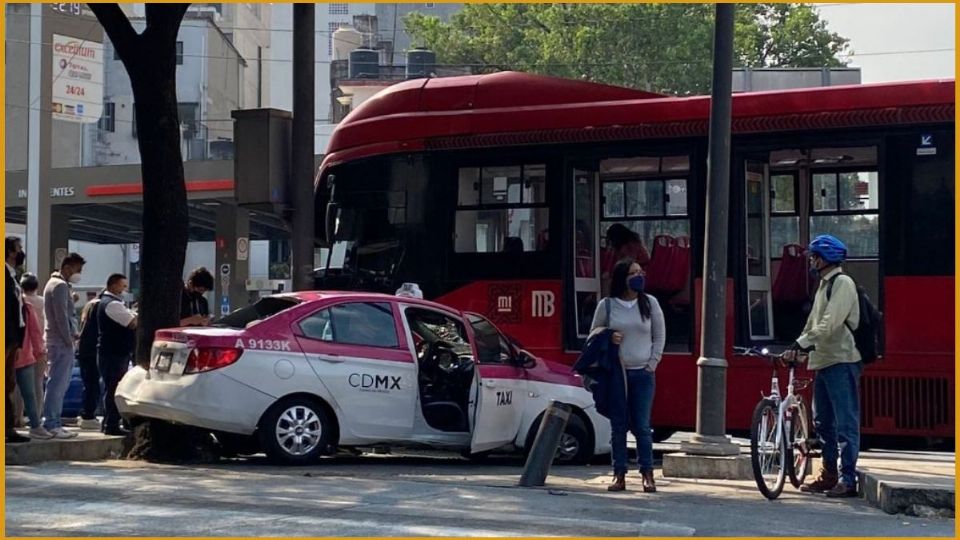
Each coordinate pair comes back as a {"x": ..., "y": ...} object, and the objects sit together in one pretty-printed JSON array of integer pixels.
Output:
[
  {"x": 77, "y": 79},
  {"x": 225, "y": 269},
  {"x": 243, "y": 248},
  {"x": 225, "y": 305}
]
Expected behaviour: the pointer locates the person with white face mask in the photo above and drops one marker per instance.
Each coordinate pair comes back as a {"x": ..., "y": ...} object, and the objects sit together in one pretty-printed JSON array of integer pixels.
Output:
[{"x": 60, "y": 333}]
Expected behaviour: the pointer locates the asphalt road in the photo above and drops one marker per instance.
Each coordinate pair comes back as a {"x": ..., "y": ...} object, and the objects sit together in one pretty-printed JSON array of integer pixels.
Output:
[{"x": 411, "y": 495}]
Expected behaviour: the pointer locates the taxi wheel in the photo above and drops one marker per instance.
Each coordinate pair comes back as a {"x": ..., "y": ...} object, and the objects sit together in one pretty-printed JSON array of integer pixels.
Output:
[
  {"x": 575, "y": 446},
  {"x": 295, "y": 431}
]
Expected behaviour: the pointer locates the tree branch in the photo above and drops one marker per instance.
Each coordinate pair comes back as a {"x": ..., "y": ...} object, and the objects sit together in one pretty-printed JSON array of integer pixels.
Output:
[
  {"x": 118, "y": 28},
  {"x": 165, "y": 18}
]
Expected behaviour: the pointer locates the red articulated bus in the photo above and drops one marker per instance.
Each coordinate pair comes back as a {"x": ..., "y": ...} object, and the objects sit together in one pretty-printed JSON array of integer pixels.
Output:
[{"x": 496, "y": 193}]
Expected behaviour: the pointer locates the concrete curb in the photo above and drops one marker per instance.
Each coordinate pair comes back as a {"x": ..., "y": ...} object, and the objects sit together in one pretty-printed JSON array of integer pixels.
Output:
[
  {"x": 83, "y": 448},
  {"x": 906, "y": 498},
  {"x": 682, "y": 465}
]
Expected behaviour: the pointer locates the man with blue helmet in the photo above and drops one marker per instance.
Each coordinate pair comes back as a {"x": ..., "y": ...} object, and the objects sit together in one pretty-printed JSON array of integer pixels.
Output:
[{"x": 828, "y": 336}]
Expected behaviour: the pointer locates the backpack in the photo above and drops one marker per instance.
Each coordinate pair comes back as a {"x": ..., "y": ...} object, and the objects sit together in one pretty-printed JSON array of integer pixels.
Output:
[{"x": 867, "y": 336}]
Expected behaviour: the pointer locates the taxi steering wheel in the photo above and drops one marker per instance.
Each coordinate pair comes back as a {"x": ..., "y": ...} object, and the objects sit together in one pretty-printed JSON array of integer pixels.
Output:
[{"x": 432, "y": 357}]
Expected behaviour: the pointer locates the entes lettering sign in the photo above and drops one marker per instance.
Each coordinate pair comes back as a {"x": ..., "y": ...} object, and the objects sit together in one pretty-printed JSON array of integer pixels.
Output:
[
  {"x": 61, "y": 192},
  {"x": 374, "y": 383}
]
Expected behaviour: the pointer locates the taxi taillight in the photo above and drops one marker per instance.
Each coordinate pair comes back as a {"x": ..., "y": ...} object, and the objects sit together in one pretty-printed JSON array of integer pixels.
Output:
[{"x": 209, "y": 358}]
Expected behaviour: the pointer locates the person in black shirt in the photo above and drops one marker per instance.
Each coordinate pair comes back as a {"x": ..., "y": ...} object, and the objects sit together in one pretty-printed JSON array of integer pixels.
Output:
[
  {"x": 15, "y": 326},
  {"x": 87, "y": 357},
  {"x": 194, "y": 309},
  {"x": 116, "y": 326}
]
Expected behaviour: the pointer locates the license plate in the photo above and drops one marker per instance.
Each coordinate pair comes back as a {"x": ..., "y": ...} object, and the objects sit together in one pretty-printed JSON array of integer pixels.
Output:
[{"x": 164, "y": 360}]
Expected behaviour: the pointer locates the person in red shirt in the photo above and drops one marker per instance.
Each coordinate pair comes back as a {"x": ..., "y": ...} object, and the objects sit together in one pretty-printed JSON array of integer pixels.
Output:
[{"x": 622, "y": 243}]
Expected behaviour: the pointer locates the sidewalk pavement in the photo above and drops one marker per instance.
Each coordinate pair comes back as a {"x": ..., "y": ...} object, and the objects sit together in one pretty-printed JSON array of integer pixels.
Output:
[
  {"x": 909, "y": 482},
  {"x": 913, "y": 483}
]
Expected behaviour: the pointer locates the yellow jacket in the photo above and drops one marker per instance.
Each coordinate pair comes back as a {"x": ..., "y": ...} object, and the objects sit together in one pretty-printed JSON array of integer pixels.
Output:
[{"x": 825, "y": 328}]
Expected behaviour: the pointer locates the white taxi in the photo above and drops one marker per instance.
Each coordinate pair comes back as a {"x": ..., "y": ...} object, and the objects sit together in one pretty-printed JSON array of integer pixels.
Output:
[{"x": 299, "y": 375}]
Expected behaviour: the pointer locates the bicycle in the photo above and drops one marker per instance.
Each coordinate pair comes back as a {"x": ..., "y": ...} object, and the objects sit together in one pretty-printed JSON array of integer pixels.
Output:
[{"x": 780, "y": 443}]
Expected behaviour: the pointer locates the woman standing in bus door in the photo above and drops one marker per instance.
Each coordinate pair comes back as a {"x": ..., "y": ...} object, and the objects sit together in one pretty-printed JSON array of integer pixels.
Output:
[{"x": 640, "y": 332}]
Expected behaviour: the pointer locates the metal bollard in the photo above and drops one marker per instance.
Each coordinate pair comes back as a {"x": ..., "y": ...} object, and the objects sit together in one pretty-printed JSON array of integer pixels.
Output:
[{"x": 545, "y": 444}]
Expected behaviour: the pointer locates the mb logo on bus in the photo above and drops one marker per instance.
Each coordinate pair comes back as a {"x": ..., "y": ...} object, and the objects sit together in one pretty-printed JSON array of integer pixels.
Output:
[{"x": 543, "y": 304}]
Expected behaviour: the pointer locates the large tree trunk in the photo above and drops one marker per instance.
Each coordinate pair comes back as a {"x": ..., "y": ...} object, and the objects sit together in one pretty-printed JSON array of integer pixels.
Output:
[{"x": 150, "y": 61}]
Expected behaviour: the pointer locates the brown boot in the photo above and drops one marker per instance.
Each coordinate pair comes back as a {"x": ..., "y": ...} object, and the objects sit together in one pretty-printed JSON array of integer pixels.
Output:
[
  {"x": 619, "y": 483},
  {"x": 649, "y": 486},
  {"x": 842, "y": 489},
  {"x": 825, "y": 481}
]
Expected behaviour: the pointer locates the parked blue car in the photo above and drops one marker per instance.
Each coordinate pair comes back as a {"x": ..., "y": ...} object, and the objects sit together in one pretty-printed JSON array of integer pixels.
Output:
[{"x": 73, "y": 402}]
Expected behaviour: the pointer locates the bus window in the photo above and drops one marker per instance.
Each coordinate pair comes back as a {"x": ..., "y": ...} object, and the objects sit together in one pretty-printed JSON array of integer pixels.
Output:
[
  {"x": 784, "y": 216},
  {"x": 644, "y": 215},
  {"x": 815, "y": 191},
  {"x": 846, "y": 205},
  {"x": 502, "y": 209}
]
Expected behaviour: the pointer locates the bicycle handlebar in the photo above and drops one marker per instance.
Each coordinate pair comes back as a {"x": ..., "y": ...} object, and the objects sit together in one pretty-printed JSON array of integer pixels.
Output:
[{"x": 766, "y": 354}]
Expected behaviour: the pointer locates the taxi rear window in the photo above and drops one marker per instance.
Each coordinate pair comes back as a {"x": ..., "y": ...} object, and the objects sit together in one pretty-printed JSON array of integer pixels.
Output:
[{"x": 258, "y": 311}]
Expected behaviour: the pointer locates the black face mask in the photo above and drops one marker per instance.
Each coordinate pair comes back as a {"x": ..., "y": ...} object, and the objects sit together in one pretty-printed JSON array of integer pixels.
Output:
[{"x": 21, "y": 258}]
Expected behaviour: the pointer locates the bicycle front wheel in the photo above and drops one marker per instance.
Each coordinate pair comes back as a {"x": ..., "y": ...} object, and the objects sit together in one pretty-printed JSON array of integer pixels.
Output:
[
  {"x": 799, "y": 456},
  {"x": 767, "y": 452}
]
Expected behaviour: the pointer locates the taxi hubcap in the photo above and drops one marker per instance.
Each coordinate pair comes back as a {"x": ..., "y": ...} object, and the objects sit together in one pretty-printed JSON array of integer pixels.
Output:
[
  {"x": 568, "y": 448},
  {"x": 298, "y": 430}
]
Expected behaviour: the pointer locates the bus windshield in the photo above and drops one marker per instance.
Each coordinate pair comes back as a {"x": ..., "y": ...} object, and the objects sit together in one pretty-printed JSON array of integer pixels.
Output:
[{"x": 367, "y": 216}]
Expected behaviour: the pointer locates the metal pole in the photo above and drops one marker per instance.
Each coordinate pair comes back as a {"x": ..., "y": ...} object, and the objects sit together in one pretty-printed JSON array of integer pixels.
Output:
[
  {"x": 32, "y": 244},
  {"x": 710, "y": 438},
  {"x": 302, "y": 231},
  {"x": 545, "y": 444}
]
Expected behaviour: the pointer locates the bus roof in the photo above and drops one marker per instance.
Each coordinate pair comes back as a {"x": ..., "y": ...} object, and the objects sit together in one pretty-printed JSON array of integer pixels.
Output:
[{"x": 511, "y": 109}]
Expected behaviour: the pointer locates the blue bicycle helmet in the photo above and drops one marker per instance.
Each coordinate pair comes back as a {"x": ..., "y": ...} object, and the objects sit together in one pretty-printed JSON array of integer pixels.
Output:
[{"x": 829, "y": 248}]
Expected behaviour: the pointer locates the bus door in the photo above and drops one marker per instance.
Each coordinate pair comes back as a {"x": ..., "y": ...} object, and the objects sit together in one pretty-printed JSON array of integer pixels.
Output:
[
  {"x": 758, "y": 259},
  {"x": 586, "y": 248}
]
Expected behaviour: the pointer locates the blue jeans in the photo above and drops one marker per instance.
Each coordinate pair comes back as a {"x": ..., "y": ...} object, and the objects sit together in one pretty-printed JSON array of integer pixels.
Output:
[
  {"x": 26, "y": 382},
  {"x": 640, "y": 388},
  {"x": 836, "y": 415},
  {"x": 61, "y": 368}
]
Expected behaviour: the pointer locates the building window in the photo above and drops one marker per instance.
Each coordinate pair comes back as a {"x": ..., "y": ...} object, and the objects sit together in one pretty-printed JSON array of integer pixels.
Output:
[
  {"x": 339, "y": 9},
  {"x": 189, "y": 119},
  {"x": 502, "y": 209},
  {"x": 846, "y": 204},
  {"x": 331, "y": 28},
  {"x": 179, "y": 53},
  {"x": 108, "y": 118}
]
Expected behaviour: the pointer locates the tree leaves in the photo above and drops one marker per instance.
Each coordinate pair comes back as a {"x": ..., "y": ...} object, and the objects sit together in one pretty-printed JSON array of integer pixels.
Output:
[{"x": 657, "y": 47}]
